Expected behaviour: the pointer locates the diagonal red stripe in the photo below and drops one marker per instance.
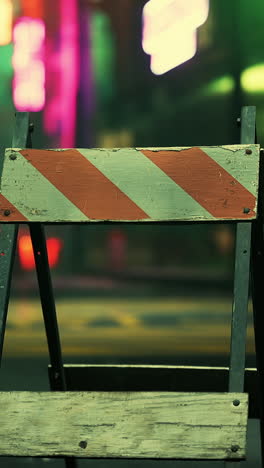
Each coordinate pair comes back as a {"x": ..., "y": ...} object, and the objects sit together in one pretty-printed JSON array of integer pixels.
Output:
[
  {"x": 84, "y": 185},
  {"x": 206, "y": 181},
  {"x": 14, "y": 213}
]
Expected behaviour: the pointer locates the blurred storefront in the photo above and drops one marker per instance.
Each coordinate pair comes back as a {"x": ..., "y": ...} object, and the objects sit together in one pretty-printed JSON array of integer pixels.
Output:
[{"x": 79, "y": 67}]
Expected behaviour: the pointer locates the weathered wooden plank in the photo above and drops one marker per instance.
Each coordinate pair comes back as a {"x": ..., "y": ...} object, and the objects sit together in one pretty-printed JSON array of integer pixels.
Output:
[
  {"x": 156, "y": 378},
  {"x": 124, "y": 424},
  {"x": 131, "y": 184}
]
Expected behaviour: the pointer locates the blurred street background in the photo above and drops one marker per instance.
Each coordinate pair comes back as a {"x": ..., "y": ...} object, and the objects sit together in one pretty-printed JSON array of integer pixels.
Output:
[{"x": 119, "y": 73}]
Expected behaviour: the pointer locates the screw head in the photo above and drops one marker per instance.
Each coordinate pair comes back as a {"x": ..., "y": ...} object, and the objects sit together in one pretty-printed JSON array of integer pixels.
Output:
[
  {"x": 235, "y": 448},
  {"x": 7, "y": 212},
  {"x": 238, "y": 121},
  {"x": 248, "y": 151},
  {"x": 31, "y": 127},
  {"x": 236, "y": 402},
  {"x": 83, "y": 444},
  {"x": 13, "y": 156}
]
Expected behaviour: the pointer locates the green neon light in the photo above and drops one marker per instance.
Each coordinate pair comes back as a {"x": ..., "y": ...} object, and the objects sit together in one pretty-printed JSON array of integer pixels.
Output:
[
  {"x": 223, "y": 85},
  {"x": 252, "y": 79},
  {"x": 6, "y": 71},
  {"x": 219, "y": 87},
  {"x": 6, "y": 53},
  {"x": 103, "y": 54}
]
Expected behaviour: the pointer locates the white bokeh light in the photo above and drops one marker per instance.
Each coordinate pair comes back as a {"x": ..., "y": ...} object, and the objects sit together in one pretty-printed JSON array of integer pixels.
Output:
[{"x": 170, "y": 31}]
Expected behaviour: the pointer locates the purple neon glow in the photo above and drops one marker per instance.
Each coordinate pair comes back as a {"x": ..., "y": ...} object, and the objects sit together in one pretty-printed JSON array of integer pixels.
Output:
[
  {"x": 28, "y": 64},
  {"x": 60, "y": 112},
  {"x": 169, "y": 31}
]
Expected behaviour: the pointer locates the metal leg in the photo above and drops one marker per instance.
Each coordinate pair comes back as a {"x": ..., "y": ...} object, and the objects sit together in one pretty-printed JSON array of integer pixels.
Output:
[
  {"x": 8, "y": 239},
  {"x": 240, "y": 308},
  {"x": 257, "y": 264},
  {"x": 8, "y": 233},
  {"x": 239, "y": 312},
  {"x": 257, "y": 299},
  {"x": 49, "y": 312},
  {"x": 241, "y": 279}
]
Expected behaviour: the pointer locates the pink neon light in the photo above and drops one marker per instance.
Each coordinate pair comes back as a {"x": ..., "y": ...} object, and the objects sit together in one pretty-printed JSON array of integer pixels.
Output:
[
  {"x": 29, "y": 97},
  {"x": 169, "y": 31},
  {"x": 28, "y": 63},
  {"x": 60, "y": 112},
  {"x": 30, "y": 33},
  {"x": 69, "y": 65}
]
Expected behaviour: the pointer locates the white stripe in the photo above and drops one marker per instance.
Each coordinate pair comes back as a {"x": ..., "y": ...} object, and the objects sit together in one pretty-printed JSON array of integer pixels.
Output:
[
  {"x": 33, "y": 195},
  {"x": 144, "y": 183},
  {"x": 243, "y": 167}
]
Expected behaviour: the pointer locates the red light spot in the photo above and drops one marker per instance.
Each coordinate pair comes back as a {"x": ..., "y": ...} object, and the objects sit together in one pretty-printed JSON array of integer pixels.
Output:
[
  {"x": 2, "y": 254},
  {"x": 26, "y": 256},
  {"x": 54, "y": 246},
  {"x": 117, "y": 244},
  {"x": 25, "y": 253}
]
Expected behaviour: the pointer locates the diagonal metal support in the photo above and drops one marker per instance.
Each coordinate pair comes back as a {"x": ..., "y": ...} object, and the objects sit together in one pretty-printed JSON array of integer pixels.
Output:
[
  {"x": 48, "y": 304},
  {"x": 49, "y": 313},
  {"x": 8, "y": 233},
  {"x": 57, "y": 380}
]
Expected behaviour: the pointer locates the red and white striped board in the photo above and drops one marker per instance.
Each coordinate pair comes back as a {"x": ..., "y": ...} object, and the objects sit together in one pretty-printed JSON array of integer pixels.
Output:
[{"x": 130, "y": 184}]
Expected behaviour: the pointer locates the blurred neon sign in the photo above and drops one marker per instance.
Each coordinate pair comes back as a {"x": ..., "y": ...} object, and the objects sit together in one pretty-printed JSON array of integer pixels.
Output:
[
  {"x": 63, "y": 75},
  {"x": 32, "y": 8},
  {"x": 6, "y": 18},
  {"x": 170, "y": 31},
  {"x": 28, "y": 63}
]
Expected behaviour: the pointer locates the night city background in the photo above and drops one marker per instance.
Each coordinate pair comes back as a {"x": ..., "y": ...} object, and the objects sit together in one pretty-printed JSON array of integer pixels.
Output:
[{"x": 103, "y": 73}]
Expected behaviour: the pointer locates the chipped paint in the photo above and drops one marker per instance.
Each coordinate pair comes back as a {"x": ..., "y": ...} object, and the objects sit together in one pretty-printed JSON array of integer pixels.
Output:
[{"x": 135, "y": 179}]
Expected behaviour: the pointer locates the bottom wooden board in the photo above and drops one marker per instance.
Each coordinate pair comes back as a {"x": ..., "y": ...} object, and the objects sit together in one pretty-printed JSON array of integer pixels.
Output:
[
  {"x": 124, "y": 424},
  {"x": 156, "y": 378}
]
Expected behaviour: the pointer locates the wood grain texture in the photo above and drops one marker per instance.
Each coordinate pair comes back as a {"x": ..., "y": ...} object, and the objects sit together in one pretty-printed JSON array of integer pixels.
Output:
[
  {"x": 123, "y": 424},
  {"x": 156, "y": 378},
  {"x": 131, "y": 184}
]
